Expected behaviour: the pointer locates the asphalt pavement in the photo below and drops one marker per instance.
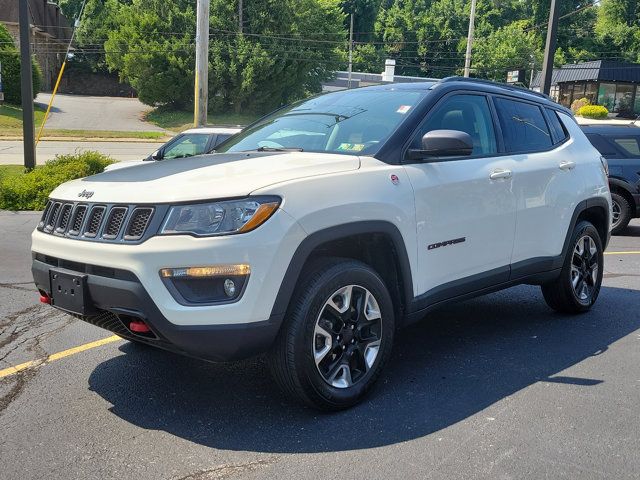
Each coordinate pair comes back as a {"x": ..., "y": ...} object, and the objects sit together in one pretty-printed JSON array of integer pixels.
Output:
[
  {"x": 11, "y": 152},
  {"x": 81, "y": 112},
  {"x": 499, "y": 387}
]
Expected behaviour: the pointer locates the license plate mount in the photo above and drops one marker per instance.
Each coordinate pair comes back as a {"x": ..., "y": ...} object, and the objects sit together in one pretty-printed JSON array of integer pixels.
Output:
[{"x": 69, "y": 292}]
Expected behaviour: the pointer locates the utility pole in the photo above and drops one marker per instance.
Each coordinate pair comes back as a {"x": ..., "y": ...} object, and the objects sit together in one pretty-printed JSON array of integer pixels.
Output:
[
  {"x": 26, "y": 87},
  {"x": 240, "y": 16},
  {"x": 472, "y": 21},
  {"x": 350, "y": 51},
  {"x": 202, "y": 64},
  {"x": 550, "y": 48}
]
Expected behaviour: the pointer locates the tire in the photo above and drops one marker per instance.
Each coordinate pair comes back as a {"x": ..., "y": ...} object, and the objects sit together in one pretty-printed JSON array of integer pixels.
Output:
[
  {"x": 621, "y": 213},
  {"x": 361, "y": 337},
  {"x": 560, "y": 294}
]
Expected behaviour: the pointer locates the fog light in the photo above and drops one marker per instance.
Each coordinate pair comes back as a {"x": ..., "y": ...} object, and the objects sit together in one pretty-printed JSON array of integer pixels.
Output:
[{"x": 229, "y": 287}]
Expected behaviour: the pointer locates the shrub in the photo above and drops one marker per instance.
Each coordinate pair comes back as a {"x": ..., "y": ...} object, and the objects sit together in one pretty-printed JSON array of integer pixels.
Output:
[
  {"x": 31, "y": 190},
  {"x": 10, "y": 59},
  {"x": 593, "y": 111},
  {"x": 579, "y": 103}
]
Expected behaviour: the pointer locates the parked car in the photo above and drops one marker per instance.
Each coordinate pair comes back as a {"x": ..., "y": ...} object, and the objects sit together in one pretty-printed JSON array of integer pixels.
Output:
[
  {"x": 194, "y": 141},
  {"x": 319, "y": 230},
  {"x": 620, "y": 145}
]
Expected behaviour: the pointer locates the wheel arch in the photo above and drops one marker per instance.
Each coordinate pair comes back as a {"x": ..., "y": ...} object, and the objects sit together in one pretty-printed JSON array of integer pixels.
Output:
[
  {"x": 594, "y": 210},
  {"x": 364, "y": 241},
  {"x": 622, "y": 188}
]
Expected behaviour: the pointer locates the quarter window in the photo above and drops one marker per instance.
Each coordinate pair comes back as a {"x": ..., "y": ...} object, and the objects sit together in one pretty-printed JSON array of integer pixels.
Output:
[
  {"x": 557, "y": 129},
  {"x": 523, "y": 126},
  {"x": 466, "y": 113}
]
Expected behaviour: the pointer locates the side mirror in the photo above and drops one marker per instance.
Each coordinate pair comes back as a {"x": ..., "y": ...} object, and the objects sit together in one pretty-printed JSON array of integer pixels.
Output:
[
  {"x": 157, "y": 155},
  {"x": 443, "y": 143}
]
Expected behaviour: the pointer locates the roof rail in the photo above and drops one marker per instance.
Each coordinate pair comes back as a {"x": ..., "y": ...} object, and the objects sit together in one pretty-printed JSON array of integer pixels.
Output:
[{"x": 496, "y": 84}]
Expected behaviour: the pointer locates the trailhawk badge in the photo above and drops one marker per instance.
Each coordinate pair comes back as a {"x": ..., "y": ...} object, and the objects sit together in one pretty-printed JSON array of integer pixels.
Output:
[{"x": 85, "y": 194}]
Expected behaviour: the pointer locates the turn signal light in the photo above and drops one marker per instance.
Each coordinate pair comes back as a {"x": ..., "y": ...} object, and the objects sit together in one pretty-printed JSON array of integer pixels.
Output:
[{"x": 211, "y": 271}]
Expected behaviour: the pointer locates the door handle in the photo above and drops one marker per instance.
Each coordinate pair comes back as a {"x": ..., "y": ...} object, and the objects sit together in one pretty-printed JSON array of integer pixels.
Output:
[
  {"x": 497, "y": 174},
  {"x": 567, "y": 165}
]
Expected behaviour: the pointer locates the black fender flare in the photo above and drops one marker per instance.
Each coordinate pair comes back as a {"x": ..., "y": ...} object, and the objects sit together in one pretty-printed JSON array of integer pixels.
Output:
[
  {"x": 313, "y": 241},
  {"x": 623, "y": 185},
  {"x": 581, "y": 207}
]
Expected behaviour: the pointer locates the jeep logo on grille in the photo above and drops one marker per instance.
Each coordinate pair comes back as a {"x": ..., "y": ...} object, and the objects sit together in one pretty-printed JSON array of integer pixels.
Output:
[{"x": 85, "y": 194}]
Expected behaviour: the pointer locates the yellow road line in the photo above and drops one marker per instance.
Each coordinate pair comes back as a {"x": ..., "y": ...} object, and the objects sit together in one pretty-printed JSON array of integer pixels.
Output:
[
  {"x": 57, "y": 356},
  {"x": 637, "y": 252}
]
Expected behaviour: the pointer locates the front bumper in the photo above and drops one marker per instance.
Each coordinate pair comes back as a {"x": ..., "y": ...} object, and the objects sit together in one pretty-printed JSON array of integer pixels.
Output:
[{"x": 120, "y": 298}]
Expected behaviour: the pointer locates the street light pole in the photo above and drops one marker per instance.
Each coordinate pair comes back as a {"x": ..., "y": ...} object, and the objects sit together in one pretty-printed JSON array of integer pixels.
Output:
[
  {"x": 467, "y": 57},
  {"x": 201, "y": 86},
  {"x": 26, "y": 87},
  {"x": 550, "y": 48}
]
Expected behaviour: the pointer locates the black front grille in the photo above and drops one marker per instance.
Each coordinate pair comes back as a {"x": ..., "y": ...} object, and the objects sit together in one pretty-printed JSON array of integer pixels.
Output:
[
  {"x": 101, "y": 222},
  {"x": 138, "y": 223},
  {"x": 78, "y": 219},
  {"x": 63, "y": 217},
  {"x": 52, "y": 217},
  {"x": 94, "y": 222},
  {"x": 114, "y": 222}
]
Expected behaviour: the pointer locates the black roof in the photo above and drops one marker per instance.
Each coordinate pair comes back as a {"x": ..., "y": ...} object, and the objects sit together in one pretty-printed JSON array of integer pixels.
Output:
[
  {"x": 596, "y": 71},
  {"x": 476, "y": 84}
]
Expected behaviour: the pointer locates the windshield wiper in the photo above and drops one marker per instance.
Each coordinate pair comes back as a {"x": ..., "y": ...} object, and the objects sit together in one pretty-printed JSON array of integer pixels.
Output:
[{"x": 275, "y": 149}]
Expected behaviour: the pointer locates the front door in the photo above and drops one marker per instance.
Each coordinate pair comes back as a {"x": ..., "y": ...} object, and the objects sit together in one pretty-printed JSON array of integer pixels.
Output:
[{"x": 465, "y": 207}]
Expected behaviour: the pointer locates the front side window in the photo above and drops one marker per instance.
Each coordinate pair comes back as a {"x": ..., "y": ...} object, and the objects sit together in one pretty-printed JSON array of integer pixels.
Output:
[
  {"x": 351, "y": 122},
  {"x": 629, "y": 145},
  {"x": 466, "y": 113},
  {"x": 606, "y": 150},
  {"x": 523, "y": 126},
  {"x": 187, "y": 145}
]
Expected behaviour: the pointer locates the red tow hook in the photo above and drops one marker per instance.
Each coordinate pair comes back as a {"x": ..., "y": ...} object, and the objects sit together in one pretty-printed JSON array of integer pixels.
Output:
[
  {"x": 138, "y": 326},
  {"x": 45, "y": 299}
]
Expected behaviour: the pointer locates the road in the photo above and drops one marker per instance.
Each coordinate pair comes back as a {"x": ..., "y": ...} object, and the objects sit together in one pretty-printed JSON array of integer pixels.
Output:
[
  {"x": 11, "y": 152},
  {"x": 79, "y": 112},
  {"x": 496, "y": 387}
]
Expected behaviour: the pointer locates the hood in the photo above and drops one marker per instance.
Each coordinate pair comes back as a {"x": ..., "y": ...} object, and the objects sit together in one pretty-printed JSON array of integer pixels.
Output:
[{"x": 203, "y": 177}]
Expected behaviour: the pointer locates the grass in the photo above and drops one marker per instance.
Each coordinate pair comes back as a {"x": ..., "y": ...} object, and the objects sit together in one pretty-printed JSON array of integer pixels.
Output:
[
  {"x": 7, "y": 171},
  {"x": 179, "y": 120},
  {"x": 11, "y": 126}
]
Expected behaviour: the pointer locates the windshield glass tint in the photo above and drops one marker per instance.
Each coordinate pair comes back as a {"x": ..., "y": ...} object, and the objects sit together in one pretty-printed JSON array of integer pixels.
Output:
[{"x": 354, "y": 122}]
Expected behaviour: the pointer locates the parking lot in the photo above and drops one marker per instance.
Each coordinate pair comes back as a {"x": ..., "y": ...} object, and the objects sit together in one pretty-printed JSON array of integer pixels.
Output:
[{"x": 496, "y": 387}]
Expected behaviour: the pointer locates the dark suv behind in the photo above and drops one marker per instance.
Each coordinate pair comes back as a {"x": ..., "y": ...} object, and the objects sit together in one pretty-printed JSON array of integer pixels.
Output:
[{"x": 620, "y": 145}]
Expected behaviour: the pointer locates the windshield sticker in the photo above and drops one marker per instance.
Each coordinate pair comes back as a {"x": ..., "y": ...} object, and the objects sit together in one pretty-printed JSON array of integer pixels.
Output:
[
  {"x": 351, "y": 147},
  {"x": 403, "y": 109}
]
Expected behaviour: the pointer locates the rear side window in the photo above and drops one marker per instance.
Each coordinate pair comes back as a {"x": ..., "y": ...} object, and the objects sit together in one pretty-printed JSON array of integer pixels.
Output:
[
  {"x": 628, "y": 144},
  {"x": 604, "y": 147},
  {"x": 524, "y": 128},
  {"x": 558, "y": 131}
]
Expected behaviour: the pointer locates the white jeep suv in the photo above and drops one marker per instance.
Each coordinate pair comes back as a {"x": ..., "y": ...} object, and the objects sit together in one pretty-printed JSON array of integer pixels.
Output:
[{"x": 315, "y": 233}]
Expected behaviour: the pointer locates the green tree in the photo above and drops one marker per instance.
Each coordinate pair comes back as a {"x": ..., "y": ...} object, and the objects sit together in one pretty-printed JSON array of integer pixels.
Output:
[
  {"x": 618, "y": 26},
  {"x": 10, "y": 60},
  {"x": 512, "y": 47},
  {"x": 288, "y": 48}
]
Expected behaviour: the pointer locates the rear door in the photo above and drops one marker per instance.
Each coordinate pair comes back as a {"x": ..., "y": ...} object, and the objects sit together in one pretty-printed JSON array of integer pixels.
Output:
[
  {"x": 546, "y": 182},
  {"x": 465, "y": 206}
]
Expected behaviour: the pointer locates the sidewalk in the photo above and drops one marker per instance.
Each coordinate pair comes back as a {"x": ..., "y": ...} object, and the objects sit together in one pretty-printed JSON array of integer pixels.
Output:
[{"x": 11, "y": 152}]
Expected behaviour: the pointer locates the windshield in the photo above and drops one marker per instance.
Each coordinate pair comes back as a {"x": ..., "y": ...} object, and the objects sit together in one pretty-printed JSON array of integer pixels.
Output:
[{"x": 352, "y": 122}]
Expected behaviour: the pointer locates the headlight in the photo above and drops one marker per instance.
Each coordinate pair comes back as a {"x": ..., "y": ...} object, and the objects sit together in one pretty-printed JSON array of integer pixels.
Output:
[{"x": 220, "y": 218}]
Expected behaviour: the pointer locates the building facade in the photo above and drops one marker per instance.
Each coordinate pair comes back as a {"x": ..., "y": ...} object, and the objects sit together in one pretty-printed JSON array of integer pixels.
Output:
[
  {"x": 50, "y": 34},
  {"x": 615, "y": 85}
]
